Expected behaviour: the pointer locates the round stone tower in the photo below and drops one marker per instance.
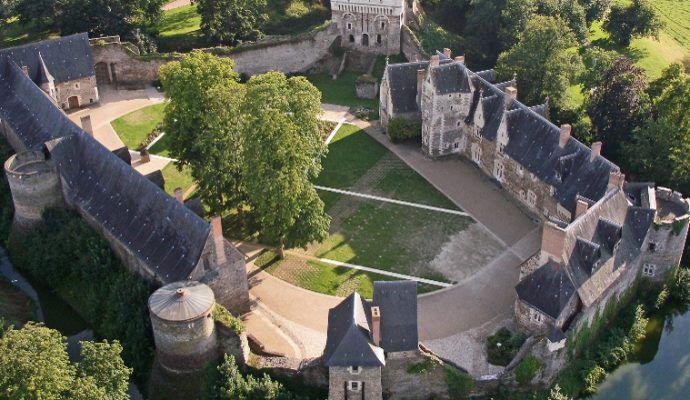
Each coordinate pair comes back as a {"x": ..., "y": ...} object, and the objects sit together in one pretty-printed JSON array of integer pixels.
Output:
[
  {"x": 183, "y": 326},
  {"x": 35, "y": 185}
]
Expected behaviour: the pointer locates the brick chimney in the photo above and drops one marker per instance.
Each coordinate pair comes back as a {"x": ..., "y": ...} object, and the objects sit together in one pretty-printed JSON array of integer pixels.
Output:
[
  {"x": 179, "y": 196},
  {"x": 460, "y": 59},
  {"x": 447, "y": 52},
  {"x": 616, "y": 180},
  {"x": 376, "y": 325},
  {"x": 218, "y": 240},
  {"x": 421, "y": 75},
  {"x": 596, "y": 150},
  {"x": 566, "y": 129},
  {"x": 435, "y": 61},
  {"x": 510, "y": 95},
  {"x": 580, "y": 208},
  {"x": 25, "y": 70},
  {"x": 86, "y": 124},
  {"x": 553, "y": 241}
]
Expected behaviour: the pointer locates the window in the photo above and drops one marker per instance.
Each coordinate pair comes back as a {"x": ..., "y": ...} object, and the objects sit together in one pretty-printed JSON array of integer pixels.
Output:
[
  {"x": 534, "y": 315},
  {"x": 498, "y": 171},
  {"x": 354, "y": 370},
  {"x": 477, "y": 134},
  {"x": 378, "y": 39},
  {"x": 649, "y": 270},
  {"x": 383, "y": 25},
  {"x": 76, "y": 85},
  {"x": 653, "y": 247},
  {"x": 354, "y": 386},
  {"x": 476, "y": 153},
  {"x": 456, "y": 145},
  {"x": 349, "y": 26},
  {"x": 501, "y": 148},
  {"x": 520, "y": 170},
  {"x": 531, "y": 198},
  {"x": 352, "y": 39},
  {"x": 458, "y": 124}
]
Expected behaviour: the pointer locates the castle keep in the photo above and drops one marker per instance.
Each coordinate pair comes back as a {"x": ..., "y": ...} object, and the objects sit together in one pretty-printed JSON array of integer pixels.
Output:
[
  {"x": 600, "y": 233},
  {"x": 60, "y": 164},
  {"x": 369, "y": 25}
]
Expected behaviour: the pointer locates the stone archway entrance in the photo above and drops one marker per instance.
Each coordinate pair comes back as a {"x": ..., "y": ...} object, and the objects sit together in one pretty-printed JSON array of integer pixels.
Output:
[
  {"x": 73, "y": 102},
  {"x": 365, "y": 40},
  {"x": 102, "y": 73}
]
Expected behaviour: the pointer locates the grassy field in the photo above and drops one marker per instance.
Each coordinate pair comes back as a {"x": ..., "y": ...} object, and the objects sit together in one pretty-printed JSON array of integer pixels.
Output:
[
  {"x": 135, "y": 126},
  {"x": 180, "y": 30},
  {"x": 342, "y": 91},
  {"x": 12, "y": 33},
  {"x": 175, "y": 178},
  {"x": 289, "y": 17}
]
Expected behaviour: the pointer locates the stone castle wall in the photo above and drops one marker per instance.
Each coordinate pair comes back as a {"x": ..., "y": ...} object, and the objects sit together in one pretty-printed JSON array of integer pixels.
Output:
[
  {"x": 85, "y": 89},
  {"x": 338, "y": 378},
  {"x": 230, "y": 342},
  {"x": 399, "y": 384},
  {"x": 285, "y": 54},
  {"x": 185, "y": 345}
]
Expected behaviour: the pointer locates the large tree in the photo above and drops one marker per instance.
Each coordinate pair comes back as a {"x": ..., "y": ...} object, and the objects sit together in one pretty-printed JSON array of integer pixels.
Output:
[
  {"x": 574, "y": 14},
  {"x": 618, "y": 105},
  {"x": 595, "y": 9},
  {"x": 514, "y": 17},
  {"x": 282, "y": 150},
  {"x": 34, "y": 365},
  {"x": 660, "y": 149},
  {"x": 633, "y": 20},
  {"x": 204, "y": 122},
  {"x": 40, "y": 12},
  {"x": 543, "y": 60},
  {"x": 107, "y": 17},
  {"x": 232, "y": 21}
]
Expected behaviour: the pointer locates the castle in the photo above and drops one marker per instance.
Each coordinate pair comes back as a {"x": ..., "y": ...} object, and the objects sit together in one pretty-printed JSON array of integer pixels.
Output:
[
  {"x": 369, "y": 25},
  {"x": 599, "y": 234},
  {"x": 59, "y": 164}
]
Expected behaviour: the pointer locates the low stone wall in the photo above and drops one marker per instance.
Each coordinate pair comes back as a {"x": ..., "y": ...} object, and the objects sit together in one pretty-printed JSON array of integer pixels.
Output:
[
  {"x": 411, "y": 48},
  {"x": 286, "y": 54},
  {"x": 398, "y": 383},
  {"x": 230, "y": 342},
  {"x": 366, "y": 89}
]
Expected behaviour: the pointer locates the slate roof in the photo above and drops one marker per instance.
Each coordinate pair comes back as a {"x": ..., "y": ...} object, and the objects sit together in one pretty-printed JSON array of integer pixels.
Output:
[
  {"x": 397, "y": 301},
  {"x": 402, "y": 81},
  {"x": 349, "y": 335},
  {"x": 67, "y": 58},
  {"x": 152, "y": 225},
  {"x": 548, "y": 289},
  {"x": 451, "y": 78}
]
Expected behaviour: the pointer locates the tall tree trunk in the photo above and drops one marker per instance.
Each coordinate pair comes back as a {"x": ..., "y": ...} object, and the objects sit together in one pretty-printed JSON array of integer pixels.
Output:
[
  {"x": 281, "y": 249},
  {"x": 240, "y": 216}
]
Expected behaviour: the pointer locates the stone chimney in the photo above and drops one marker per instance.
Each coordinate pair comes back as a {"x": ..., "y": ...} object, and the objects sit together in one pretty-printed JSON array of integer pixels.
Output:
[
  {"x": 376, "y": 325},
  {"x": 435, "y": 61},
  {"x": 616, "y": 180},
  {"x": 596, "y": 150},
  {"x": 460, "y": 59},
  {"x": 553, "y": 241},
  {"x": 580, "y": 208},
  {"x": 144, "y": 156},
  {"x": 421, "y": 75},
  {"x": 565, "y": 135},
  {"x": 218, "y": 240},
  {"x": 179, "y": 196},
  {"x": 510, "y": 95},
  {"x": 447, "y": 52},
  {"x": 86, "y": 124},
  {"x": 25, "y": 70}
]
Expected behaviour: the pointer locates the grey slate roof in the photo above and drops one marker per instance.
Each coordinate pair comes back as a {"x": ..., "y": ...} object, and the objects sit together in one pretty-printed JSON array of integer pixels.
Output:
[
  {"x": 164, "y": 234},
  {"x": 349, "y": 335},
  {"x": 548, "y": 289},
  {"x": 67, "y": 58},
  {"x": 402, "y": 81},
  {"x": 397, "y": 301},
  {"x": 451, "y": 78}
]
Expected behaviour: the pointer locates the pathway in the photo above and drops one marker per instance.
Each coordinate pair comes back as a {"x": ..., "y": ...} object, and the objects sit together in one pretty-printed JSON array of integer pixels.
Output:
[{"x": 175, "y": 4}]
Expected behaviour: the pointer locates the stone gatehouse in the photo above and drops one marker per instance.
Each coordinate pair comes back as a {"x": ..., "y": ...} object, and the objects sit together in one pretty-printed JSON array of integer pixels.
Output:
[{"x": 370, "y": 26}]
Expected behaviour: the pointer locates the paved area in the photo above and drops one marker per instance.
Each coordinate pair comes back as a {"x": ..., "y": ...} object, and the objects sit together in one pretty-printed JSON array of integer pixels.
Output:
[{"x": 175, "y": 4}]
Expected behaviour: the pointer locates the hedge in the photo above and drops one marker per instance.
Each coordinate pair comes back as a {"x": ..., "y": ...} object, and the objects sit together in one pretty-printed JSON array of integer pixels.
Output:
[{"x": 400, "y": 129}]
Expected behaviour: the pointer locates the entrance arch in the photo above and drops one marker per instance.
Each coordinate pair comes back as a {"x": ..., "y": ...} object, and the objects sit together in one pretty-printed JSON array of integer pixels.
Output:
[
  {"x": 73, "y": 102},
  {"x": 365, "y": 40}
]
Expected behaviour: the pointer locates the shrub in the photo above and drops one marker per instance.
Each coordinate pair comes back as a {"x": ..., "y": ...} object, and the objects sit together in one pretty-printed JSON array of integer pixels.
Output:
[
  {"x": 233, "y": 385},
  {"x": 459, "y": 383},
  {"x": 421, "y": 367},
  {"x": 502, "y": 346},
  {"x": 222, "y": 316},
  {"x": 527, "y": 370},
  {"x": 73, "y": 260},
  {"x": 366, "y": 78},
  {"x": 592, "y": 377},
  {"x": 400, "y": 129}
]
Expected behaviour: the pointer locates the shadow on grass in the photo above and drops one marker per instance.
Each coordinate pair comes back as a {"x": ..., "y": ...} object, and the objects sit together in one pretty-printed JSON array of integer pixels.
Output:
[{"x": 634, "y": 54}]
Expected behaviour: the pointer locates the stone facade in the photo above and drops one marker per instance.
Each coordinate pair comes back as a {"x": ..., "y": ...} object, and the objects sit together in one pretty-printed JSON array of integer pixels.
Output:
[
  {"x": 367, "y": 88},
  {"x": 370, "y": 26},
  {"x": 354, "y": 383},
  {"x": 35, "y": 186},
  {"x": 230, "y": 342},
  {"x": 77, "y": 93},
  {"x": 399, "y": 384}
]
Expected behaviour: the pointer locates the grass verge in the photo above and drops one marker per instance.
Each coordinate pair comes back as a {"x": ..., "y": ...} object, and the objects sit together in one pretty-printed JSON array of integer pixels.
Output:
[{"x": 134, "y": 127}]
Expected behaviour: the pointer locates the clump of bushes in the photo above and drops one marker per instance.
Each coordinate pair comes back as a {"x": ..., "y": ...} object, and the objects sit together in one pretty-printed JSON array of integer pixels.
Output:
[
  {"x": 459, "y": 383},
  {"x": 233, "y": 385},
  {"x": 421, "y": 367},
  {"x": 503, "y": 346},
  {"x": 527, "y": 370},
  {"x": 400, "y": 129},
  {"x": 66, "y": 255},
  {"x": 222, "y": 316},
  {"x": 150, "y": 137}
]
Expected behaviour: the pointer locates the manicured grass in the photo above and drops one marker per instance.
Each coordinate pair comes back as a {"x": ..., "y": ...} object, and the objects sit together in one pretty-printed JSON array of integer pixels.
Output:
[
  {"x": 15, "y": 306},
  {"x": 341, "y": 91},
  {"x": 175, "y": 178},
  {"x": 135, "y": 126},
  {"x": 12, "y": 33},
  {"x": 161, "y": 147},
  {"x": 324, "y": 278},
  {"x": 676, "y": 17},
  {"x": 180, "y": 30}
]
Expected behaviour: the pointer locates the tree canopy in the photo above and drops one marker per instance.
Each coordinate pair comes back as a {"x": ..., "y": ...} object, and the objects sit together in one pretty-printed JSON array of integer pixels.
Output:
[
  {"x": 544, "y": 61},
  {"x": 34, "y": 365},
  {"x": 282, "y": 154},
  {"x": 232, "y": 21},
  {"x": 633, "y": 20}
]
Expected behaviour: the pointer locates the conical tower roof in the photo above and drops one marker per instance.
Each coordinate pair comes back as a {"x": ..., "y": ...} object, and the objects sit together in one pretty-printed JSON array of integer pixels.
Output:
[{"x": 181, "y": 301}]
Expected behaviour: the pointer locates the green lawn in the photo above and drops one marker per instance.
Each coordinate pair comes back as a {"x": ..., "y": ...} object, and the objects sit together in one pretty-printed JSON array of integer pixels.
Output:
[
  {"x": 161, "y": 147},
  {"x": 12, "y": 33},
  {"x": 180, "y": 30},
  {"x": 134, "y": 127},
  {"x": 341, "y": 91},
  {"x": 289, "y": 17},
  {"x": 174, "y": 178}
]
